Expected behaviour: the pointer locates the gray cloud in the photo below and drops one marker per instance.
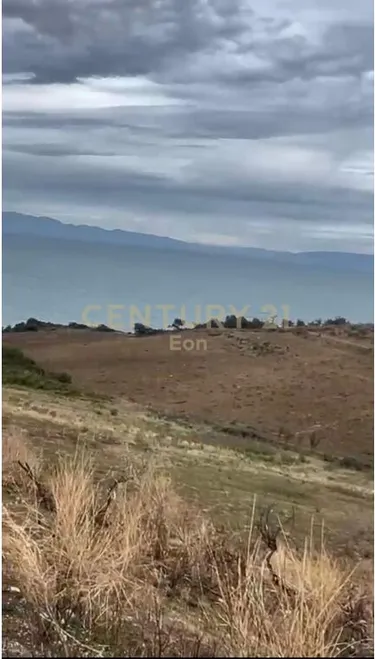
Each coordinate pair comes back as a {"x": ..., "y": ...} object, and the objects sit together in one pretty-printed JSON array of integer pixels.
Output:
[
  {"x": 195, "y": 114},
  {"x": 161, "y": 195},
  {"x": 61, "y": 40}
]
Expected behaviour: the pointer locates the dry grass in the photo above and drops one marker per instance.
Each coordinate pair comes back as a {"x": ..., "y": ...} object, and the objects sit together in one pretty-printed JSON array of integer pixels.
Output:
[
  {"x": 303, "y": 383},
  {"x": 15, "y": 447},
  {"x": 148, "y": 575}
]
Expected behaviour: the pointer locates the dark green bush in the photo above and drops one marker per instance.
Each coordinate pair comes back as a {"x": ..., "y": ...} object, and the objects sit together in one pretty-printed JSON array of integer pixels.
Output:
[{"x": 20, "y": 370}]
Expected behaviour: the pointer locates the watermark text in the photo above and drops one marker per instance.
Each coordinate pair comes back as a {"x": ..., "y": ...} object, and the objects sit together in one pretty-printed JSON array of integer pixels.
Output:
[{"x": 121, "y": 316}]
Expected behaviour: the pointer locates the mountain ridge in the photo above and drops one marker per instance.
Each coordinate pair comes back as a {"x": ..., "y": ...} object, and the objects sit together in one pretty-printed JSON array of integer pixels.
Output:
[{"x": 30, "y": 225}]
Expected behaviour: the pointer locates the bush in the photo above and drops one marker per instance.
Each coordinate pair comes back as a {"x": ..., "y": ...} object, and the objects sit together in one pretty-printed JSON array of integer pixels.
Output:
[
  {"x": 20, "y": 370},
  {"x": 104, "y": 328},
  {"x": 65, "y": 378},
  {"x": 255, "y": 323},
  {"x": 351, "y": 462},
  {"x": 143, "y": 330},
  {"x": 14, "y": 359},
  {"x": 339, "y": 320},
  {"x": 230, "y": 322},
  {"x": 178, "y": 322},
  {"x": 145, "y": 574},
  {"x": 78, "y": 326},
  {"x": 31, "y": 325}
]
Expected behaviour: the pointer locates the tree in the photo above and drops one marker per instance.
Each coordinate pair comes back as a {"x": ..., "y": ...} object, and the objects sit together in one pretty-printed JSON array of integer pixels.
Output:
[{"x": 178, "y": 322}]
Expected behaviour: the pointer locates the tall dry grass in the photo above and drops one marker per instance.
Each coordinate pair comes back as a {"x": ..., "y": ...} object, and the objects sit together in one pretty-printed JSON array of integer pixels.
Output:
[
  {"x": 15, "y": 447},
  {"x": 153, "y": 577}
]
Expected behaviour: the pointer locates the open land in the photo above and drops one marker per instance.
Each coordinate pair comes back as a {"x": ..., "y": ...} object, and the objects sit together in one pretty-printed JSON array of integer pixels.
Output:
[
  {"x": 283, "y": 385},
  {"x": 284, "y": 417}
]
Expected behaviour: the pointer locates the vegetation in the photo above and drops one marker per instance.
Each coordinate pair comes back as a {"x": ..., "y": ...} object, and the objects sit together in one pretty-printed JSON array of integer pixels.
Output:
[
  {"x": 144, "y": 574},
  {"x": 143, "y": 330},
  {"x": 131, "y": 534},
  {"x": 338, "y": 320},
  {"x": 178, "y": 323},
  {"x": 20, "y": 370},
  {"x": 35, "y": 325},
  {"x": 230, "y": 322},
  {"x": 360, "y": 463}
]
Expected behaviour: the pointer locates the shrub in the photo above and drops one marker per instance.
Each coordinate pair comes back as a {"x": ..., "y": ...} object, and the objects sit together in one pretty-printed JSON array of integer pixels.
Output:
[
  {"x": 178, "y": 322},
  {"x": 144, "y": 574},
  {"x": 351, "y": 462},
  {"x": 143, "y": 330},
  {"x": 230, "y": 322},
  {"x": 104, "y": 328},
  {"x": 255, "y": 323},
  {"x": 65, "y": 378},
  {"x": 20, "y": 370},
  {"x": 339, "y": 320},
  {"x": 78, "y": 326}
]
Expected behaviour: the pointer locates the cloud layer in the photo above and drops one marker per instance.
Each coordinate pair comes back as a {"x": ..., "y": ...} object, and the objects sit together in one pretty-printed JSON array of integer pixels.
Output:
[{"x": 208, "y": 120}]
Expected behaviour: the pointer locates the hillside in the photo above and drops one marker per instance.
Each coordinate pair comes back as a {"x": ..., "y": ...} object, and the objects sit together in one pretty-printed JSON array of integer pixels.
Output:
[
  {"x": 280, "y": 385},
  {"x": 28, "y": 225},
  {"x": 171, "y": 512}
]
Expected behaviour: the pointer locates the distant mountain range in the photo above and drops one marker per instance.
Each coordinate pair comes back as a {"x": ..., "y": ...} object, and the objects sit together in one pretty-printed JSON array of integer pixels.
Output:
[{"x": 46, "y": 227}]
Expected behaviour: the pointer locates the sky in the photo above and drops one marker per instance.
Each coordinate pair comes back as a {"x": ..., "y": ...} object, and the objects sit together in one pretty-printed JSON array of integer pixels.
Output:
[{"x": 231, "y": 122}]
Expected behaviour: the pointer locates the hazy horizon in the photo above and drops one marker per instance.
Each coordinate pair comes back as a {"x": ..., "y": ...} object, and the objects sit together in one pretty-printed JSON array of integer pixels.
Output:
[{"x": 82, "y": 224}]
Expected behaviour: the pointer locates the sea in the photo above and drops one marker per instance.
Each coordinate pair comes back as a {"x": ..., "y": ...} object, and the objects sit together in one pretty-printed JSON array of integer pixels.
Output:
[{"x": 71, "y": 281}]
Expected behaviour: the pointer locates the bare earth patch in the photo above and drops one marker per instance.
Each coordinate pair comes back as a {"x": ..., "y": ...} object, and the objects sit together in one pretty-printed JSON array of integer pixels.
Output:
[{"x": 295, "y": 387}]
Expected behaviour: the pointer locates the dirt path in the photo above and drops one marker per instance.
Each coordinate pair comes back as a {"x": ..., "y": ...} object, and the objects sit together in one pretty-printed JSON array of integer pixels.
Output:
[{"x": 353, "y": 344}]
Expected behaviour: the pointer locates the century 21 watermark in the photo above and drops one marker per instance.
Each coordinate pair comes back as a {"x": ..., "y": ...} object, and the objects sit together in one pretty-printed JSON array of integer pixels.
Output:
[{"x": 119, "y": 316}]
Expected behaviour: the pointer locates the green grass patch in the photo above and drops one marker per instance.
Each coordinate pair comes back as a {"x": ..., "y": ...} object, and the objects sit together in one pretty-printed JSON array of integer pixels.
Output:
[{"x": 22, "y": 371}]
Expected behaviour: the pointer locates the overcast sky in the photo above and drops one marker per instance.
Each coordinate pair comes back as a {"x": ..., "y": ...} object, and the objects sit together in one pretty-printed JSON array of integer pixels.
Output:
[{"x": 223, "y": 121}]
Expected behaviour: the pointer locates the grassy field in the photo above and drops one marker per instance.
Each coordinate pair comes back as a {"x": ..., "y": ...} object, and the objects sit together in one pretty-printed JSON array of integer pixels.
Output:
[
  {"x": 182, "y": 565},
  {"x": 283, "y": 387}
]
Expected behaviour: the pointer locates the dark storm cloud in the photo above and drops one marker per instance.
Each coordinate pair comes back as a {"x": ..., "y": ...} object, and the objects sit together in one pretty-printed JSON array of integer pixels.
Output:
[
  {"x": 66, "y": 40},
  {"x": 239, "y": 113},
  {"x": 103, "y": 38}
]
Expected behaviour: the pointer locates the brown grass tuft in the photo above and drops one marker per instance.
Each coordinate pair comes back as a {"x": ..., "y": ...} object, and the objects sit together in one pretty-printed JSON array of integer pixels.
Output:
[
  {"x": 151, "y": 576},
  {"x": 15, "y": 446}
]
